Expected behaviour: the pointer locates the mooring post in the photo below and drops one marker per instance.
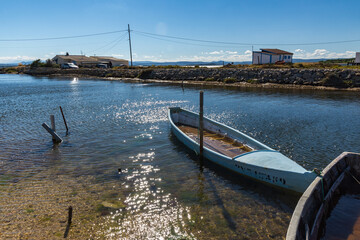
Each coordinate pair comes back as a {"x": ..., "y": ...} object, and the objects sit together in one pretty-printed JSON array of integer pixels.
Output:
[
  {"x": 70, "y": 210},
  {"x": 70, "y": 215},
  {"x": 201, "y": 124},
  {"x": 52, "y": 120},
  {"x": 56, "y": 137},
  {"x": 67, "y": 130}
]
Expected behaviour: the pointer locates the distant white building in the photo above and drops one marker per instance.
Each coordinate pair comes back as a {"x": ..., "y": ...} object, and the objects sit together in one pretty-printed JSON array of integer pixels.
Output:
[
  {"x": 357, "y": 58},
  {"x": 268, "y": 56},
  {"x": 85, "y": 61}
]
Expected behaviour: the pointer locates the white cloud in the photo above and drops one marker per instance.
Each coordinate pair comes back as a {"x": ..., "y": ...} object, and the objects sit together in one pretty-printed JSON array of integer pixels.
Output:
[
  {"x": 234, "y": 56},
  {"x": 230, "y": 52},
  {"x": 215, "y": 52},
  {"x": 150, "y": 57},
  {"x": 16, "y": 59},
  {"x": 117, "y": 55},
  {"x": 218, "y": 55},
  {"x": 322, "y": 53}
]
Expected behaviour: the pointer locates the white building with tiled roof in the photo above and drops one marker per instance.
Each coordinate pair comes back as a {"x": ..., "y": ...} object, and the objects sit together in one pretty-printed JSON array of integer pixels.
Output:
[{"x": 268, "y": 56}]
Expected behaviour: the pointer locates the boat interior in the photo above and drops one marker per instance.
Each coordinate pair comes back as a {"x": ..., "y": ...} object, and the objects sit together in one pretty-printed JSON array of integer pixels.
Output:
[{"x": 217, "y": 142}]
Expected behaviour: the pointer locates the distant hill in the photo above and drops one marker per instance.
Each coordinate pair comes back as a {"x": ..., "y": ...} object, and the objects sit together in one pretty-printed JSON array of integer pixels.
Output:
[
  {"x": 193, "y": 63},
  {"x": 4, "y": 65},
  {"x": 186, "y": 63},
  {"x": 214, "y": 63}
]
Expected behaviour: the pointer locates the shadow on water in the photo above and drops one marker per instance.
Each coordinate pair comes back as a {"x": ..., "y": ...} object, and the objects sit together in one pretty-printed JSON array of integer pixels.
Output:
[
  {"x": 227, "y": 216},
  {"x": 240, "y": 183}
]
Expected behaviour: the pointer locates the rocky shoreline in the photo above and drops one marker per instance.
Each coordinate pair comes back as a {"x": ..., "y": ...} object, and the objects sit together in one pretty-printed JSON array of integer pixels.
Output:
[{"x": 348, "y": 79}]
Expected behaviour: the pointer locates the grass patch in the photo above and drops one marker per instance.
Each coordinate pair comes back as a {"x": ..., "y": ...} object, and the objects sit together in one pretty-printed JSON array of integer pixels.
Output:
[
  {"x": 253, "y": 81},
  {"x": 229, "y": 80},
  {"x": 46, "y": 218},
  {"x": 210, "y": 79},
  {"x": 333, "y": 80},
  {"x": 29, "y": 209},
  {"x": 10, "y": 70},
  {"x": 145, "y": 74}
]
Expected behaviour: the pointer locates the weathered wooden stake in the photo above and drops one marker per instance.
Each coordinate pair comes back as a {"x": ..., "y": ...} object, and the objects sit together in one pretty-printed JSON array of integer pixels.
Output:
[
  {"x": 201, "y": 124},
  {"x": 70, "y": 215},
  {"x": 67, "y": 130},
  {"x": 56, "y": 137},
  {"x": 69, "y": 222},
  {"x": 52, "y": 120}
]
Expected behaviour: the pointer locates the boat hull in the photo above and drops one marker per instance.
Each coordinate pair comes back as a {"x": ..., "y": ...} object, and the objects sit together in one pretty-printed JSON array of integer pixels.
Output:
[
  {"x": 296, "y": 181},
  {"x": 309, "y": 217}
]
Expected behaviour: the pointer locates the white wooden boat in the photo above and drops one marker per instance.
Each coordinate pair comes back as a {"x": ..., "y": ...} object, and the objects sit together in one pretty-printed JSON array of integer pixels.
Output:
[
  {"x": 238, "y": 152},
  {"x": 339, "y": 178}
]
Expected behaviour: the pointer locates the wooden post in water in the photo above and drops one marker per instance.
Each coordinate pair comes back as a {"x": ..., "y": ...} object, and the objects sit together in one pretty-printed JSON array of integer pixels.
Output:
[
  {"x": 56, "y": 137},
  {"x": 201, "y": 124},
  {"x": 67, "y": 130},
  {"x": 52, "y": 120},
  {"x": 70, "y": 211},
  {"x": 70, "y": 215}
]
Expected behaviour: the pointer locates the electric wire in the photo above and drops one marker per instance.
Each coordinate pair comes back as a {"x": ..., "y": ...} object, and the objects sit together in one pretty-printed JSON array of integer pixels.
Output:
[
  {"x": 186, "y": 43},
  {"x": 115, "y": 44},
  {"x": 58, "y": 38},
  {"x": 248, "y": 44},
  {"x": 108, "y": 44},
  {"x": 180, "y": 38}
]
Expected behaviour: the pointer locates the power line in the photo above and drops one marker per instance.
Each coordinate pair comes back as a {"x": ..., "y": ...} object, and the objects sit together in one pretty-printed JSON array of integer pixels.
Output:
[
  {"x": 248, "y": 44},
  {"x": 186, "y": 43},
  {"x": 179, "y": 38},
  {"x": 114, "y": 45},
  {"x": 117, "y": 40},
  {"x": 57, "y": 38}
]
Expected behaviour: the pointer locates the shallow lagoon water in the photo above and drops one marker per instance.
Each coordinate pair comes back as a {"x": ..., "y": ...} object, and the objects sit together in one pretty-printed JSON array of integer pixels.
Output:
[{"x": 162, "y": 191}]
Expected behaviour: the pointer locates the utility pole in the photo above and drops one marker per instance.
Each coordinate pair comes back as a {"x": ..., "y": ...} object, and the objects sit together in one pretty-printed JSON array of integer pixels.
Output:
[{"x": 130, "y": 44}]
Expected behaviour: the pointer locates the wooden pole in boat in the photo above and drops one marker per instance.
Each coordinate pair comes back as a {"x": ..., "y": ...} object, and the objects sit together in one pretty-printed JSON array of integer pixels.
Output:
[
  {"x": 201, "y": 124},
  {"x": 67, "y": 130}
]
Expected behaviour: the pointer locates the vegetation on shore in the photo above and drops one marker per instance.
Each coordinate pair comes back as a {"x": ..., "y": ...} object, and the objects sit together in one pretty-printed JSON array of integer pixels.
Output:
[
  {"x": 38, "y": 63},
  {"x": 312, "y": 74}
]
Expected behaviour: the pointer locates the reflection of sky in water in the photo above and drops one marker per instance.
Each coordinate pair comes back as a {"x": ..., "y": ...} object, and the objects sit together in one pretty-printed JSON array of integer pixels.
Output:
[{"x": 150, "y": 212}]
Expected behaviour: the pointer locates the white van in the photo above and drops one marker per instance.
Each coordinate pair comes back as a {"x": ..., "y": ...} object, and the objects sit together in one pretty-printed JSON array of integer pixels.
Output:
[{"x": 68, "y": 65}]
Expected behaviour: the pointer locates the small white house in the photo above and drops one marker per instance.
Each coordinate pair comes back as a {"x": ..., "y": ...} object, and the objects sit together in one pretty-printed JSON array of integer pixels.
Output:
[
  {"x": 268, "y": 56},
  {"x": 357, "y": 58}
]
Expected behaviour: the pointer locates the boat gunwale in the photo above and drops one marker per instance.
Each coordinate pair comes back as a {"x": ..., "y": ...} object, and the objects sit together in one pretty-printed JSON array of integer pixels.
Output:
[
  {"x": 192, "y": 144},
  {"x": 235, "y": 158},
  {"x": 305, "y": 220},
  {"x": 171, "y": 109}
]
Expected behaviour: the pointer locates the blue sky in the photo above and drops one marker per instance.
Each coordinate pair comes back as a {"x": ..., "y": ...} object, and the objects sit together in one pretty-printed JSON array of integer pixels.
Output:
[{"x": 261, "y": 23}]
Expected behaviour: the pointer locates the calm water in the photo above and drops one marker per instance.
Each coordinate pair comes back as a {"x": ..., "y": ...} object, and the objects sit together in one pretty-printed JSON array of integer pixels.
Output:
[{"x": 164, "y": 190}]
